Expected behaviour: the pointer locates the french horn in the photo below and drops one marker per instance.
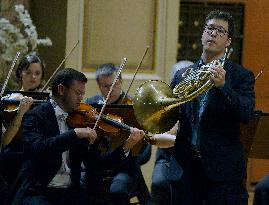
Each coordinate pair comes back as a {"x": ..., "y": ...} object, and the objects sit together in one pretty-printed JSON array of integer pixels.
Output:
[{"x": 155, "y": 102}]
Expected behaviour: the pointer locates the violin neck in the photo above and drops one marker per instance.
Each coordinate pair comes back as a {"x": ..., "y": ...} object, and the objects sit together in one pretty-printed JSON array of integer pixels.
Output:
[{"x": 115, "y": 123}]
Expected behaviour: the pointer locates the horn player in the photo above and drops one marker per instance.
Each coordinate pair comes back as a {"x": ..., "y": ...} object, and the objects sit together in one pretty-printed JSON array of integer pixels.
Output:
[{"x": 206, "y": 137}]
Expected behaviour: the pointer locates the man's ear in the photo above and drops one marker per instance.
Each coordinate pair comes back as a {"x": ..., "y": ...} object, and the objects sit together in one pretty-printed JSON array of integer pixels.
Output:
[{"x": 61, "y": 89}]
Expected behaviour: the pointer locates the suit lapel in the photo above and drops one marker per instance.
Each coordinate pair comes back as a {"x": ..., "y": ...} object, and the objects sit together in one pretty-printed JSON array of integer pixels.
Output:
[{"x": 51, "y": 118}]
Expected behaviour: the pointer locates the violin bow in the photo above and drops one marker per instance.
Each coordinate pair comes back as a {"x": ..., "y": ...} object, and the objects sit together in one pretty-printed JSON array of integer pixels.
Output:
[
  {"x": 123, "y": 63},
  {"x": 9, "y": 73},
  {"x": 136, "y": 71},
  {"x": 57, "y": 69}
]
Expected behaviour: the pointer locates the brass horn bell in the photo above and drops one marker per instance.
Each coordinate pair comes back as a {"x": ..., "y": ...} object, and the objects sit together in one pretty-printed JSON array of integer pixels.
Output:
[{"x": 155, "y": 106}]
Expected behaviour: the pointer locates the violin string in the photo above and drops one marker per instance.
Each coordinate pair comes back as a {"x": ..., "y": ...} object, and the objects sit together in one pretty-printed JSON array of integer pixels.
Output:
[{"x": 123, "y": 63}]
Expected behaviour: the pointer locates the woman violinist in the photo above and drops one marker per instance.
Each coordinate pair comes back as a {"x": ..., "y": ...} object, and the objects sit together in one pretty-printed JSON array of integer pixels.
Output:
[
  {"x": 30, "y": 73},
  {"x": 11, "y": 160}
]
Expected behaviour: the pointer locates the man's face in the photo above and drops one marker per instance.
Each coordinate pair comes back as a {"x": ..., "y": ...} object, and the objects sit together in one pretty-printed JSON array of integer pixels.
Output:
[
  {"x": 72, "y": 96},
  {"x": 215, "y": 37},
  {"x": 105, "y": 83}
]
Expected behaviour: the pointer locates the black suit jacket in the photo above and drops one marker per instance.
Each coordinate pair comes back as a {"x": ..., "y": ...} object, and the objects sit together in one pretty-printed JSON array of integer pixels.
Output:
[
  {"x": 43, "y": 148},
  {"x": 222, "y": 154}
]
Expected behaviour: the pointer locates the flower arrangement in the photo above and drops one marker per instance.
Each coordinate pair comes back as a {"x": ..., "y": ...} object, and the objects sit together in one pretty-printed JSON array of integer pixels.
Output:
[{"x": 22, "y": 37}]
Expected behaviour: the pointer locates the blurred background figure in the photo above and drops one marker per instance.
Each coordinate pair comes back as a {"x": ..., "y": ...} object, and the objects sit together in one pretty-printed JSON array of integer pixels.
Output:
[
  {"x": 179, "y": 65},
  {"x": 126, "y": 180},
  {"x": 160, "y": 187}
]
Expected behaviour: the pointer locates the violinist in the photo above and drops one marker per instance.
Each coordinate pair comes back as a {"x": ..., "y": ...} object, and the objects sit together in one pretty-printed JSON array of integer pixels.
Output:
[
  {"x": 30, "y": 73},
  {"x": 11, "y": 154},
  {"x": 105, "y": 75},
  {"x": 45, "y": 176},
  {"x": 128, "y": 176}
]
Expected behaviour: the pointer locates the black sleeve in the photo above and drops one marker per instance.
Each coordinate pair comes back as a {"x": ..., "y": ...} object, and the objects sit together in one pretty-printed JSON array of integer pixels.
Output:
[
  {"x": 37, "y": 138},
  {"x": 241, "y": 98}
]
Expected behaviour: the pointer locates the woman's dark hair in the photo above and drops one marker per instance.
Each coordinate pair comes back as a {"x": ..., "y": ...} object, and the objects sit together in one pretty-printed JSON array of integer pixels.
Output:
[{"x": 26, "y": 62}]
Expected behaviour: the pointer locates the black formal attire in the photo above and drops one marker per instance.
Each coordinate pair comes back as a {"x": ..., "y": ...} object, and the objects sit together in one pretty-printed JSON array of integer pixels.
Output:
[
  {"x": 126, "y": 178},
  {"x": 4, "y": 187},
  {"x": 208, "y": 144},
  {"x": 43, "y": 148}
]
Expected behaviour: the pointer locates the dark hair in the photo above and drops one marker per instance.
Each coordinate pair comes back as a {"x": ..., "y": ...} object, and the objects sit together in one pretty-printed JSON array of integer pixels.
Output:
[
  {"x": 26, "y": 62},
  {"x": 225, "y": 16},
  {"x": 66, "y": 77},
  {"x": 107, "y": 69}
]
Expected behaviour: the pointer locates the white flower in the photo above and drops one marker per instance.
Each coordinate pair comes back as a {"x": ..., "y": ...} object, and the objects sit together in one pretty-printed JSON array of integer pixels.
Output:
[{"x": 22, "y": 37}]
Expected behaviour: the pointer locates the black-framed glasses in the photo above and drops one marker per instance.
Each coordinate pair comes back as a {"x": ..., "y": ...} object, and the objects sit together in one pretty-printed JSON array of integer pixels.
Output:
[
  {"x": 77, "y": 93},
  {"x": 220, "y": 31},
  {"x": 108, "y": 86}
]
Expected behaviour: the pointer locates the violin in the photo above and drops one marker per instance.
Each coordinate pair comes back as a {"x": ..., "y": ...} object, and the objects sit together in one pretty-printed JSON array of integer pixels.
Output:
[
  {"x": 125, "y": 100},
  {"x": 87, "y": 115},
  {"x": 10, "y": 103}
]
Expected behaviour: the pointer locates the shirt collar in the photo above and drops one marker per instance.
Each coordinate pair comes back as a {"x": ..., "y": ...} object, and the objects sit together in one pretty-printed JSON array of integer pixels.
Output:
[
  {"x": 201, "y": 62},
  {"x": 59, "y": 112}
]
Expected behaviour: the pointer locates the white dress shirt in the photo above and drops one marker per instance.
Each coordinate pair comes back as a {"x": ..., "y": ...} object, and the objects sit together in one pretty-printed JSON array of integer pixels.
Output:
[{"x": 62, "y": 178}]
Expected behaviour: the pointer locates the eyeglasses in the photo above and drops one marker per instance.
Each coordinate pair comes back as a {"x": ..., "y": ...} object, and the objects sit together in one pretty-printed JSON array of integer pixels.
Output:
[
  {"x": 220, "y": 31},
  {"x": 108, "y": 86},
  {"x": 78, "y": 93}
]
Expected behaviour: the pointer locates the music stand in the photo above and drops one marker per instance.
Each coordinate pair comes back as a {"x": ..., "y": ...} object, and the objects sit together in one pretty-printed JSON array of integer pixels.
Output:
[{"x": 260, "y": 145}]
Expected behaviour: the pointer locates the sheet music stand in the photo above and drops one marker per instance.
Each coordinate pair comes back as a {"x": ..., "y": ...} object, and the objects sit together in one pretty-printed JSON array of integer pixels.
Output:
[
  {"x": 255, "y": 136},
  {"x": 126, "y": 112}
]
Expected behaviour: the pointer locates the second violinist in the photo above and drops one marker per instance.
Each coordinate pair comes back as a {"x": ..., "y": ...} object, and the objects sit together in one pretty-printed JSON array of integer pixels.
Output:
[
  {"x": 125, "y": 178},
  {"x": 30, "y": 73}
]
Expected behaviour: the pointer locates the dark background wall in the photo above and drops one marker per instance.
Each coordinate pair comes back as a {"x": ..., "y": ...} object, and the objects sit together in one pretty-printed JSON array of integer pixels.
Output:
[{"x": 50, "y": 19}]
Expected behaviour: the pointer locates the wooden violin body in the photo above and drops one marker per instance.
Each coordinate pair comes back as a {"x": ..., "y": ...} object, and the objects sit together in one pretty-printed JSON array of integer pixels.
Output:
[
  {"x": 126, "y": 112},
  {"x": 86, "y": 116},
  {"x": 10, "y": 105}
]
